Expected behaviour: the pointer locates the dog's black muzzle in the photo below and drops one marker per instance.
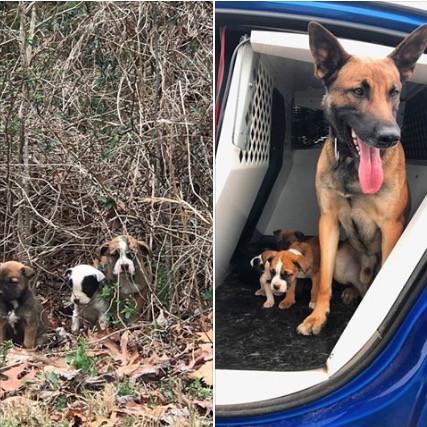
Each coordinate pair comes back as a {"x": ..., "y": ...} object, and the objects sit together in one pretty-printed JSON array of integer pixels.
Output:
[
  {"x": 387, "y": 136},
  {"x": 375, "y": 133},
  {"x": 9, "y": 292}
]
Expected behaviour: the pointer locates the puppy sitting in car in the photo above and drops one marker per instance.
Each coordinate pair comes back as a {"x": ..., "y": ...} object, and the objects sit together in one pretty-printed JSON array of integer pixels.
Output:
[
  {"x": 116, "y": 288},
  {"x": 298, "y": 257}
]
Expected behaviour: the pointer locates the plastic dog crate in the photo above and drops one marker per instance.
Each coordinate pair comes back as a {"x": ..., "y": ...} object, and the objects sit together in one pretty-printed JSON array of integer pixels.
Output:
[{"x": 258, "y": 352}]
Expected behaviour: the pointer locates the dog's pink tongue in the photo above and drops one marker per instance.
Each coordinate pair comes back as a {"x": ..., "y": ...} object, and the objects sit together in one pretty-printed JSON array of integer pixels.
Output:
[{"x": 371, "y": 175}]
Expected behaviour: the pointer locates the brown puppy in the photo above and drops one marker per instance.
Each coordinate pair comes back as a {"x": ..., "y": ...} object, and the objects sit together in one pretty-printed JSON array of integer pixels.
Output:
[
  {"x": 289, "y": 265},
  {"x": 21, "y": 315},
  {"x": 361, "y": 178},
  {"x": 351, "y": 266},
  {"x": 122, "y": 262},
  {"x": 284, "y": 238}
]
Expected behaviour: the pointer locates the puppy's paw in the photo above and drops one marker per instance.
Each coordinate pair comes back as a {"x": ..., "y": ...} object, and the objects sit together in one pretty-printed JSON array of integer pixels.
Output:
[
  {"x": 349, "y": 296},
  {"x": 312, "y": 324},
  {"x": 268, "y": 304},
  {"x": 260, "y": 292},
  {"x": 312, "y": 305},
  {"x": 287, "y": 303}
]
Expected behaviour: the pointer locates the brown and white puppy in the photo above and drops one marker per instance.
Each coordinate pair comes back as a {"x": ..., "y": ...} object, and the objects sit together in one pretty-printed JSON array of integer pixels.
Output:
[
  {"x": 261, "y": 263},
  {"x": 21, "y": 315},
  {"x": 123, "y": 261},
  {"x": 351, "y": 266},
  {"x": 300, "y": 261}
]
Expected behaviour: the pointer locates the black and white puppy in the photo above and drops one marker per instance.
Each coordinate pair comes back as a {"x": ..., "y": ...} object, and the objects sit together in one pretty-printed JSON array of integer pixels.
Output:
[{"x": 85, "y": 281}]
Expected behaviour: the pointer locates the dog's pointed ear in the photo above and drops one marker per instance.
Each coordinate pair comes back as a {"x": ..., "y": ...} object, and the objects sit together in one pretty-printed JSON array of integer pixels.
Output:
[
  {"x": 143, "y": 247},
  {"x": 301, "y": 263},
  {"x": 408, "y": 52},
  {"x": 328, "y": 54},
  {"x": 28, "y": 272}
]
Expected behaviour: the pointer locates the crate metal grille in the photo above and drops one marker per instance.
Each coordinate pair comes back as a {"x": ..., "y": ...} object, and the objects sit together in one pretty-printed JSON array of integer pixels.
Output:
[
  {"x": 308, "y": 126},
  {"x": 414, "y": 129},
  {"x": 258, "y": 150}
]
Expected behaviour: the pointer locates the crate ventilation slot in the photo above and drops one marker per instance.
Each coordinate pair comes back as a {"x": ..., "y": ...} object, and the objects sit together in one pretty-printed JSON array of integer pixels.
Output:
[{"x": 260, "y": 117}]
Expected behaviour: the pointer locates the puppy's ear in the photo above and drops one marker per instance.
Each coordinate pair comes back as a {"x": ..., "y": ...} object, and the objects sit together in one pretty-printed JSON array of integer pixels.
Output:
[
  {"x": 143, "y": 247},
  {"x": 408, "y": 51},
  {"x": 103, "y": 250},
  {"x": 301, "y": 263},
  {"x": 277, "y": 233},
  {"x": 299, "y": 235},
  {"x": 28, "y": 272},
  {"x": 270, "y": 258},
  {"x": 328, "y": 54}
]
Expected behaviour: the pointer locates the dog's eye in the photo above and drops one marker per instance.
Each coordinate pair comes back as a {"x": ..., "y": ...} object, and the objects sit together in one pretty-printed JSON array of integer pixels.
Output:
[
  {"x": 13, "y": 280},
  {"x": 284, "y": 275},
  {"x": 394, "y": 92},
  {"x": 273, "y": 272},
  {"x": 358, "y": 91},
  {"x": 130, "y": 255}
]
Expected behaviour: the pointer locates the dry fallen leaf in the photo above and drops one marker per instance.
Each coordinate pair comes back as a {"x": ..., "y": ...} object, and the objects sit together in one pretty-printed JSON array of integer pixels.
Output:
[
  {"x": 203, "y": 353},
  {"x": 132, "y": 365},
  {"x": 151, "y": 366},
  {"x": 77, "y": 415},
  {"x": 139, "y": 409},
  {"x": 124, "y": 346},
  {"x": 206, "y": 337},
  {"x": 114, "y": 350},
  {"x": 16, "y": 376},
  {"x": 205, "y": 373},
  {"x": 101, "y": 422}
]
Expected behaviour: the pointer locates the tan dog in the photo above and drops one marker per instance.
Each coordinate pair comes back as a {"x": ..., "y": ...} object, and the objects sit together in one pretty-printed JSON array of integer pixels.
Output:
[
  {"x": 361, "y": 179},
  {"x": 21, "y": 315},
  {"x": 122, "y": 262}
]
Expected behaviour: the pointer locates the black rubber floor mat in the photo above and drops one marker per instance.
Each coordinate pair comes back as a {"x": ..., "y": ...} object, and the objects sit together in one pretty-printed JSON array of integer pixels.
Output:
[{"x": 248, "y": 336}]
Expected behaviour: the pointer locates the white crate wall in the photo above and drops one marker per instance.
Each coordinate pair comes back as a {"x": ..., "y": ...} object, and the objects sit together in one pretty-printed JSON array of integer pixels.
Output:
[{"x": 243, "y": 152}]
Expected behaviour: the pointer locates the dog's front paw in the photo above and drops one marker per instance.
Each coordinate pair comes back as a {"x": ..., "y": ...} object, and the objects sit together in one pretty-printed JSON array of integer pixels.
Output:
[
  {"x": 350, "y": 296},
  {"x": 268, "y": 304},
  {"x": 260, "y": 292},
  {"x": 287, "y": 303},
  {"x": 312, "y": 324}
]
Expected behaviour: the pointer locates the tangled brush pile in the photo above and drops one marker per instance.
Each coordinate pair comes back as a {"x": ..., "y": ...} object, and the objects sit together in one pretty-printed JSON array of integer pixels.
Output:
[{"x": 106, "y": 129}]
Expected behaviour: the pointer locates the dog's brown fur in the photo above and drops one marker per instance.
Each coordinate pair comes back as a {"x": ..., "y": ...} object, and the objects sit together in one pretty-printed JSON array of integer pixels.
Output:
[
  {"x": 137, "y": 287},
  {"x": 284, "y": 238},
  {"x": 17, "y": 297},
  {"x": 373, "y": 222}
]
